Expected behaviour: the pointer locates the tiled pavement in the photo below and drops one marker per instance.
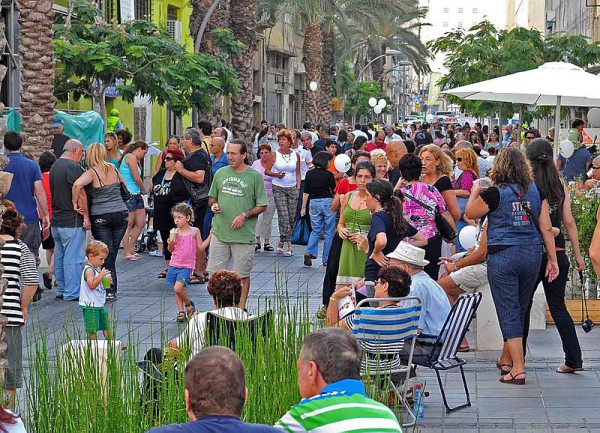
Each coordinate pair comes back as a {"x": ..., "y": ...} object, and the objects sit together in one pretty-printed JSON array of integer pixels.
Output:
[{"x": 548, "y": 402}]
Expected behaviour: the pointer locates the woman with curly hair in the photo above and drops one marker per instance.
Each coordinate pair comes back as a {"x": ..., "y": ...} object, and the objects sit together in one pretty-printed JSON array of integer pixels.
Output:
[
  {"x": 225, "y": 288},
  {"x": 466, "y": 161},
  {"x": 21, "y": 275},
  {"x": 518, "y": 223},
  {"x": 285, "y": 171},
  {"x": 380, "y": 161}
]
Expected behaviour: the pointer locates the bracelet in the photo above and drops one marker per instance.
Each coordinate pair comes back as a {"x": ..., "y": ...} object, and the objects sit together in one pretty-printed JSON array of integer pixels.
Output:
[
  {"x": 245, "y": 215},
  {"x": 333, "y": 299}
]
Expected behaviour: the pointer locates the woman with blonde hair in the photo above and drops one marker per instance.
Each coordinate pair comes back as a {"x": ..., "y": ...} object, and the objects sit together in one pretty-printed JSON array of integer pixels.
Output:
[
  {"x": 437, "y": 169},
  {"x": 380, "y": 161},
  {"x": 108, "y": 211}
]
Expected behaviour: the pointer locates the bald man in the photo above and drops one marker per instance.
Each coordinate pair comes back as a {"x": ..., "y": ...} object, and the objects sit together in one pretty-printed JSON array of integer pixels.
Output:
[{"x": 394, "y": 151}]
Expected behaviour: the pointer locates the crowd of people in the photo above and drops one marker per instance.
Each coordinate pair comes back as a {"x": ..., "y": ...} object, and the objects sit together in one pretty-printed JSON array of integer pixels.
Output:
[{"x": 390, "y": 223}]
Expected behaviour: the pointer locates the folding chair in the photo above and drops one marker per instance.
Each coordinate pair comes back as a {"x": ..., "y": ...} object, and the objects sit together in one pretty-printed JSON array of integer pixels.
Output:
[
  {"x": 454, "y": 330},
  {"x": 224, "y": 332},
  {"x": 382, "y": 333}
]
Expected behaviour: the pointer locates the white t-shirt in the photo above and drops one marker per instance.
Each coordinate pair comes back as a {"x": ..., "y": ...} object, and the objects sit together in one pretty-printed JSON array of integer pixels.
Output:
[
  {"x": 358, "y": 133},
  {"x": 18, "y": 427},
  {"x": 305, "y": 160},
  {"x": 194, "y": 334},
  {"x": 88, "y": 297},
  {"x": 285, "y": 164},
  {"x": 393, "y": 137}
]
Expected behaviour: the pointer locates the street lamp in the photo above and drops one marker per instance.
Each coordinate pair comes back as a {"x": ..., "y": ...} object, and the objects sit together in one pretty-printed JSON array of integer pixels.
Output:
[{"x": 388, "y": 52}]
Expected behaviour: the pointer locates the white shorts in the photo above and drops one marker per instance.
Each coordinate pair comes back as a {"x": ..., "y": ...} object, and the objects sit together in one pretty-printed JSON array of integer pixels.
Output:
[{"x": 470, "y": 277}]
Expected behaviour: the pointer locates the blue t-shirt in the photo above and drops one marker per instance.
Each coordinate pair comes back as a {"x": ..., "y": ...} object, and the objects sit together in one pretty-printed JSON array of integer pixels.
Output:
[
  {"x": 25, "y": 173},
  {"x": 221, "y": 162},
  {"x": 381, "y": 222},
  {"x": 435, "y": 307},
  {"x": 574, "y": 167},
  {"x": 214, "y": 424}
]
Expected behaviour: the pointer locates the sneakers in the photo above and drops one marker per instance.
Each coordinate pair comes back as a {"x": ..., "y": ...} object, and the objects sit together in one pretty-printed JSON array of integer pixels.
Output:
[
  {"x": 110, "y": 297},
  {"x": 156, "y": 253},
  {"x": 307, "y": 259}
]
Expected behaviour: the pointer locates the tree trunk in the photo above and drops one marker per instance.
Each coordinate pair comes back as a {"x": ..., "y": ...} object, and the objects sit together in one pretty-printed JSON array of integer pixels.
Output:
[
  {"x": 327, "y": 68},
  {"x": 243, "y": 25},
  {"x": 312, "y": 57},
  {"x": 37, "y": 73},
  {"x": 376, "y": 50},
  {"x": 219, "y": 19}
]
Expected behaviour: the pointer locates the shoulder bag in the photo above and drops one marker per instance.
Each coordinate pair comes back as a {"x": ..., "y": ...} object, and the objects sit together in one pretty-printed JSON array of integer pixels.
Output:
[
  {"x": 199, "y": 191},
  {"x": 125, "y": 194},
  {"x": 446, "y": 230}
]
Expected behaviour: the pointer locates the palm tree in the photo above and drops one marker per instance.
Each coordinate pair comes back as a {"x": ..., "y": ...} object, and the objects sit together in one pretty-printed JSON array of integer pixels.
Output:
[
  {"x": 37, "y": 73},
  {"x": 327, "y": 71},
  {"x": 244, "y": 24}
]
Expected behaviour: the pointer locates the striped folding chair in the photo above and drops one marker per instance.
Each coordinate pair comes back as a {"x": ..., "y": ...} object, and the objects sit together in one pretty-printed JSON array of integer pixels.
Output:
[
  {"x": 454, "y": 329},
  {"x": 382, "y": 333}
]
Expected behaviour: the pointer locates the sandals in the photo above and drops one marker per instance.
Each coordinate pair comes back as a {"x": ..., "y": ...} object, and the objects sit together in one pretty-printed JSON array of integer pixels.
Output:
[
  {"x": 513, "y": 380},
  {"x": 47, "y": 280},
  {"x": 566, "y": 369},
  {"x": 197, "y": 279},
  {"x": 289, "y": 252},
  {"x": 503, "y": 372},
  {"x": 182, "y": 317},
  {"x": 132, "y": 257},
  {"x": 257, "y": 247},
  {"x": 191, "y": 309},
  {"x": 279, "y": 249},
  {"x": 269, "y": 247},
  {"x": 163, "y": 274},
  {"x": 464, "y": 349}
]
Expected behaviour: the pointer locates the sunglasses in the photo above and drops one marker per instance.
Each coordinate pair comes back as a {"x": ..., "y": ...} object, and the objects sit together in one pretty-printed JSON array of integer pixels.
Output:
[
  {"x": 595, "y": 168},
  {"x": 529, "y": 138},
  {"x": 169, "y": 158},
  {"x": 458, "y": 159}
]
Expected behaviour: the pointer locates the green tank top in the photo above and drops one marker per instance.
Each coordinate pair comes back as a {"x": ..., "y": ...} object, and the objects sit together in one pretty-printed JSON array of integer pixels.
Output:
[{"x": 357, "y": 220}]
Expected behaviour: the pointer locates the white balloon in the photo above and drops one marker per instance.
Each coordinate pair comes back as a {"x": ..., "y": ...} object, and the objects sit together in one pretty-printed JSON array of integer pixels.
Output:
[
  {"x": 342, "y": 163},
  {"x": 313, "y": 85},
  {"x": 372, "y": 102},
  {"x": 382, "y": 103},
  {"x": 468, "y": 236},
  {"x": 377, "y": 109},
  {"x": 566, "y": 148},
  {"x": 593, "y": 116}
]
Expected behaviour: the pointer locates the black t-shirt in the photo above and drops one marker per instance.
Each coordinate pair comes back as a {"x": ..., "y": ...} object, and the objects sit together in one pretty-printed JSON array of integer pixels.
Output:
[
  {"x": 199, "y": 160},
  {"x": 164, "y": 191},
  {"x": 491, "y": 197},
  {"x": 394, "y": 175},
  {"x": 381, "y": 222},
  {"x": 63, "y": 175},
  {"x": 423, "y": 137},
  {"x": 58, "y": 143},
  {"x": 319, "y": 183},
  {"x": 443, "y": 184}
]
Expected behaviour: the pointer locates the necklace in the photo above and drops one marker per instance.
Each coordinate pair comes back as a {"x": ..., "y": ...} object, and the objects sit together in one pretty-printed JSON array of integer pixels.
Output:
[{"x": 287, "y": 158}]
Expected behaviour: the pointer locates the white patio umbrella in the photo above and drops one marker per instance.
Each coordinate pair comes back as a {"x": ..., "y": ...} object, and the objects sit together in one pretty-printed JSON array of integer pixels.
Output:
[{"x": 551, "y": 84}]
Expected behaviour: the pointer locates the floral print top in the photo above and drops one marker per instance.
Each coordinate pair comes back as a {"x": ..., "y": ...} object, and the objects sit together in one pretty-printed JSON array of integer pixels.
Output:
[{"x": 420, "y": 218}]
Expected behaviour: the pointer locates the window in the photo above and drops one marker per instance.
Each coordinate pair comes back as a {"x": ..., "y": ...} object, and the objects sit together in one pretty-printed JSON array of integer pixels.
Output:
[
  {"x": 475, "y": 10},
  {"x": 445, "y": 23},
  {"x": 142, "y": 10},
  {"x": 446, "y": 10},
  {"x": 460, "y": 10},
  {"x": 460, "y": 25},
  {"x": 109, "y": 9},
  {"x": 172, "y": 13}
]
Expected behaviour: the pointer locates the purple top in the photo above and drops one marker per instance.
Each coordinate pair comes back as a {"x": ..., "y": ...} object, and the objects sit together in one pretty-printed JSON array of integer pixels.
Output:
[
  {"x": 466, "y": 181},
  {"x": 419, "y": 217},
  {"x": 268, "y": 179}
]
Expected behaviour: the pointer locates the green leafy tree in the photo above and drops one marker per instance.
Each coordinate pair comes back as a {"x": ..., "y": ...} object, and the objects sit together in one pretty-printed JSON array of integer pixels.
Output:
[
  {"x": 357, "y": 100},
  {"x": 484, "y": 52},
  {"x": 136, "y": 57}
]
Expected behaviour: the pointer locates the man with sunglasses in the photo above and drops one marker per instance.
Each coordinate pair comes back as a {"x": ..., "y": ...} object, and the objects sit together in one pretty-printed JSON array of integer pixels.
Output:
[
  {"x": 594, "y": 176},
  {"x": 529, "y": 136}
]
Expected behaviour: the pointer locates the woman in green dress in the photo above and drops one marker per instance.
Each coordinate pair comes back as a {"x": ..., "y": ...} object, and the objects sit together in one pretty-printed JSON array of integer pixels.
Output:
[{"x": 355, "y": 219}]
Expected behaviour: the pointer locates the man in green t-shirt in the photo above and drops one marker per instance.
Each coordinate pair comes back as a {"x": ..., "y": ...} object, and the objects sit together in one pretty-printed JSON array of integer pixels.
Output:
[{"x": 237, "y": 197}]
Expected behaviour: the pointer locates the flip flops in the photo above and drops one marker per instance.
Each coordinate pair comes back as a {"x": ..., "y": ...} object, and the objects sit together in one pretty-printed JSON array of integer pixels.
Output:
[{"x": 566, "y": 369}]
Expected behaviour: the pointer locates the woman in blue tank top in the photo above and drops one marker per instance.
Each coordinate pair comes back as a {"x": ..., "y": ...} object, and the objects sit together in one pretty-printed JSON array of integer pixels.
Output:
[{"x": 518, "y": 224}]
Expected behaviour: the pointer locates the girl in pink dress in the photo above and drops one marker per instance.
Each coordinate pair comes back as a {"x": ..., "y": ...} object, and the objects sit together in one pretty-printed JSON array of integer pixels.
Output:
[{"x": 183, "y": 243}]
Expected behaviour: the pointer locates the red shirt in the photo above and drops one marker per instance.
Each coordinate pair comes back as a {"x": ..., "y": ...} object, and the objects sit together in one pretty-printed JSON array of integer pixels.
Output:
[
  {"x": 369, "y": 147},
  {"x": 46, "y": 185},
  {"x": 344, "y": 186}
]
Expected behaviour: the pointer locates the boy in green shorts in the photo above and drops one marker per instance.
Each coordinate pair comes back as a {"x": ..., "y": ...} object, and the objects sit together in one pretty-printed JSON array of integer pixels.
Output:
[{"x": 92, "y": 295}]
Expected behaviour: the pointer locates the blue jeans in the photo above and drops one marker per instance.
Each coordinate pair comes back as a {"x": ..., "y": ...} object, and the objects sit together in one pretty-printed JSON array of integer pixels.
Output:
[
  {"x": 110, "y": 229},
  {"x": 322, "y": 219},
  {"x": 512, "y": 274},
  {"x": 69, "y": 255}
]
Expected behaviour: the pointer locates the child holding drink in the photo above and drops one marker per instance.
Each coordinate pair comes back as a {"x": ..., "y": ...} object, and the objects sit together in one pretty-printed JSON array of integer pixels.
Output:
[
  {"x": 183, "y": 243},
  {"x": 92, "y": 296}
]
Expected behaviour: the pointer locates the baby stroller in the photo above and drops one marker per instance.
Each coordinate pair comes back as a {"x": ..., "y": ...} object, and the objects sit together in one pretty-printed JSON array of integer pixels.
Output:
[{"x": 147, "y": 240}]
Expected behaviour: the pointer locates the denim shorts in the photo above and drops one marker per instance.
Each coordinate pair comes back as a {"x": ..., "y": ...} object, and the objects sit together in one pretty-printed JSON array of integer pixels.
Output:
[
  {"x": 135, "y": 202},
  {"x": 181, "y": 275}
]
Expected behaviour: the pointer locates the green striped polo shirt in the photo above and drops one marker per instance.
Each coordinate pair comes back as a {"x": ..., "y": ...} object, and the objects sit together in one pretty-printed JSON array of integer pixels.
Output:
[{"x": 340, "y": 407}]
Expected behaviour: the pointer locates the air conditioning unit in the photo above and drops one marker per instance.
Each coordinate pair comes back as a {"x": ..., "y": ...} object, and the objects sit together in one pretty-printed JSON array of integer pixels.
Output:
[{"x": 174, "y": 29}]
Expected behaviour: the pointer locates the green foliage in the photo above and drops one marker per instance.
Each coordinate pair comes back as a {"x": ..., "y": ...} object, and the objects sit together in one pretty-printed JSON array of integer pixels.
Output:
[
  {"x": 343, "y": 79},
  {"x": 583, "y": 207},
  {"x": 484, "y": 52},
  {"x": 138, "y": 58},
  {"x": 357, "y": 100}
]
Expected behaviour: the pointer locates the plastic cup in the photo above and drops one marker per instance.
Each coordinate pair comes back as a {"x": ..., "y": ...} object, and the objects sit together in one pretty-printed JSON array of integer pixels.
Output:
[
  {"x": 173, "y": 235},
  {"x": 106, "y": 281}
]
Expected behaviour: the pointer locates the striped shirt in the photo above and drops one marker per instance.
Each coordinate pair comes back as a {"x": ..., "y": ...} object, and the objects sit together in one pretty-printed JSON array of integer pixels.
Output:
[
  {"x": 19, "y": 270},
  {"x": 340, "y": 407}
]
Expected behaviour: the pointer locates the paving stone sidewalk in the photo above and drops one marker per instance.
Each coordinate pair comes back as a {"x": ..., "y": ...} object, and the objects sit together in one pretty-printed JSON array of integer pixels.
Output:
[{"x": 565, "y": 403}]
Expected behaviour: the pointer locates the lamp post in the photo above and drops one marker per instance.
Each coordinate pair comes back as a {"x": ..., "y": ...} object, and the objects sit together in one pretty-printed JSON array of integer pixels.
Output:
[{"x": 388, "y": 52}]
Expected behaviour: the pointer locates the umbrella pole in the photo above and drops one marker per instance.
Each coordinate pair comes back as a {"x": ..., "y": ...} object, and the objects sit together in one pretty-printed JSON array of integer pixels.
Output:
[
  {"x": 520, "y": 132},
  {"x": 557, "y": 125}
]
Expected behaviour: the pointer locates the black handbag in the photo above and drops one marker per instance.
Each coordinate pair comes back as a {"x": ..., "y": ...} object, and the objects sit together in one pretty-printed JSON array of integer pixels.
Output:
[
  {"x": 446, "y": 230},
  {"x": 125, "y": 194},
  {"x": 198, "y": 192}
]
